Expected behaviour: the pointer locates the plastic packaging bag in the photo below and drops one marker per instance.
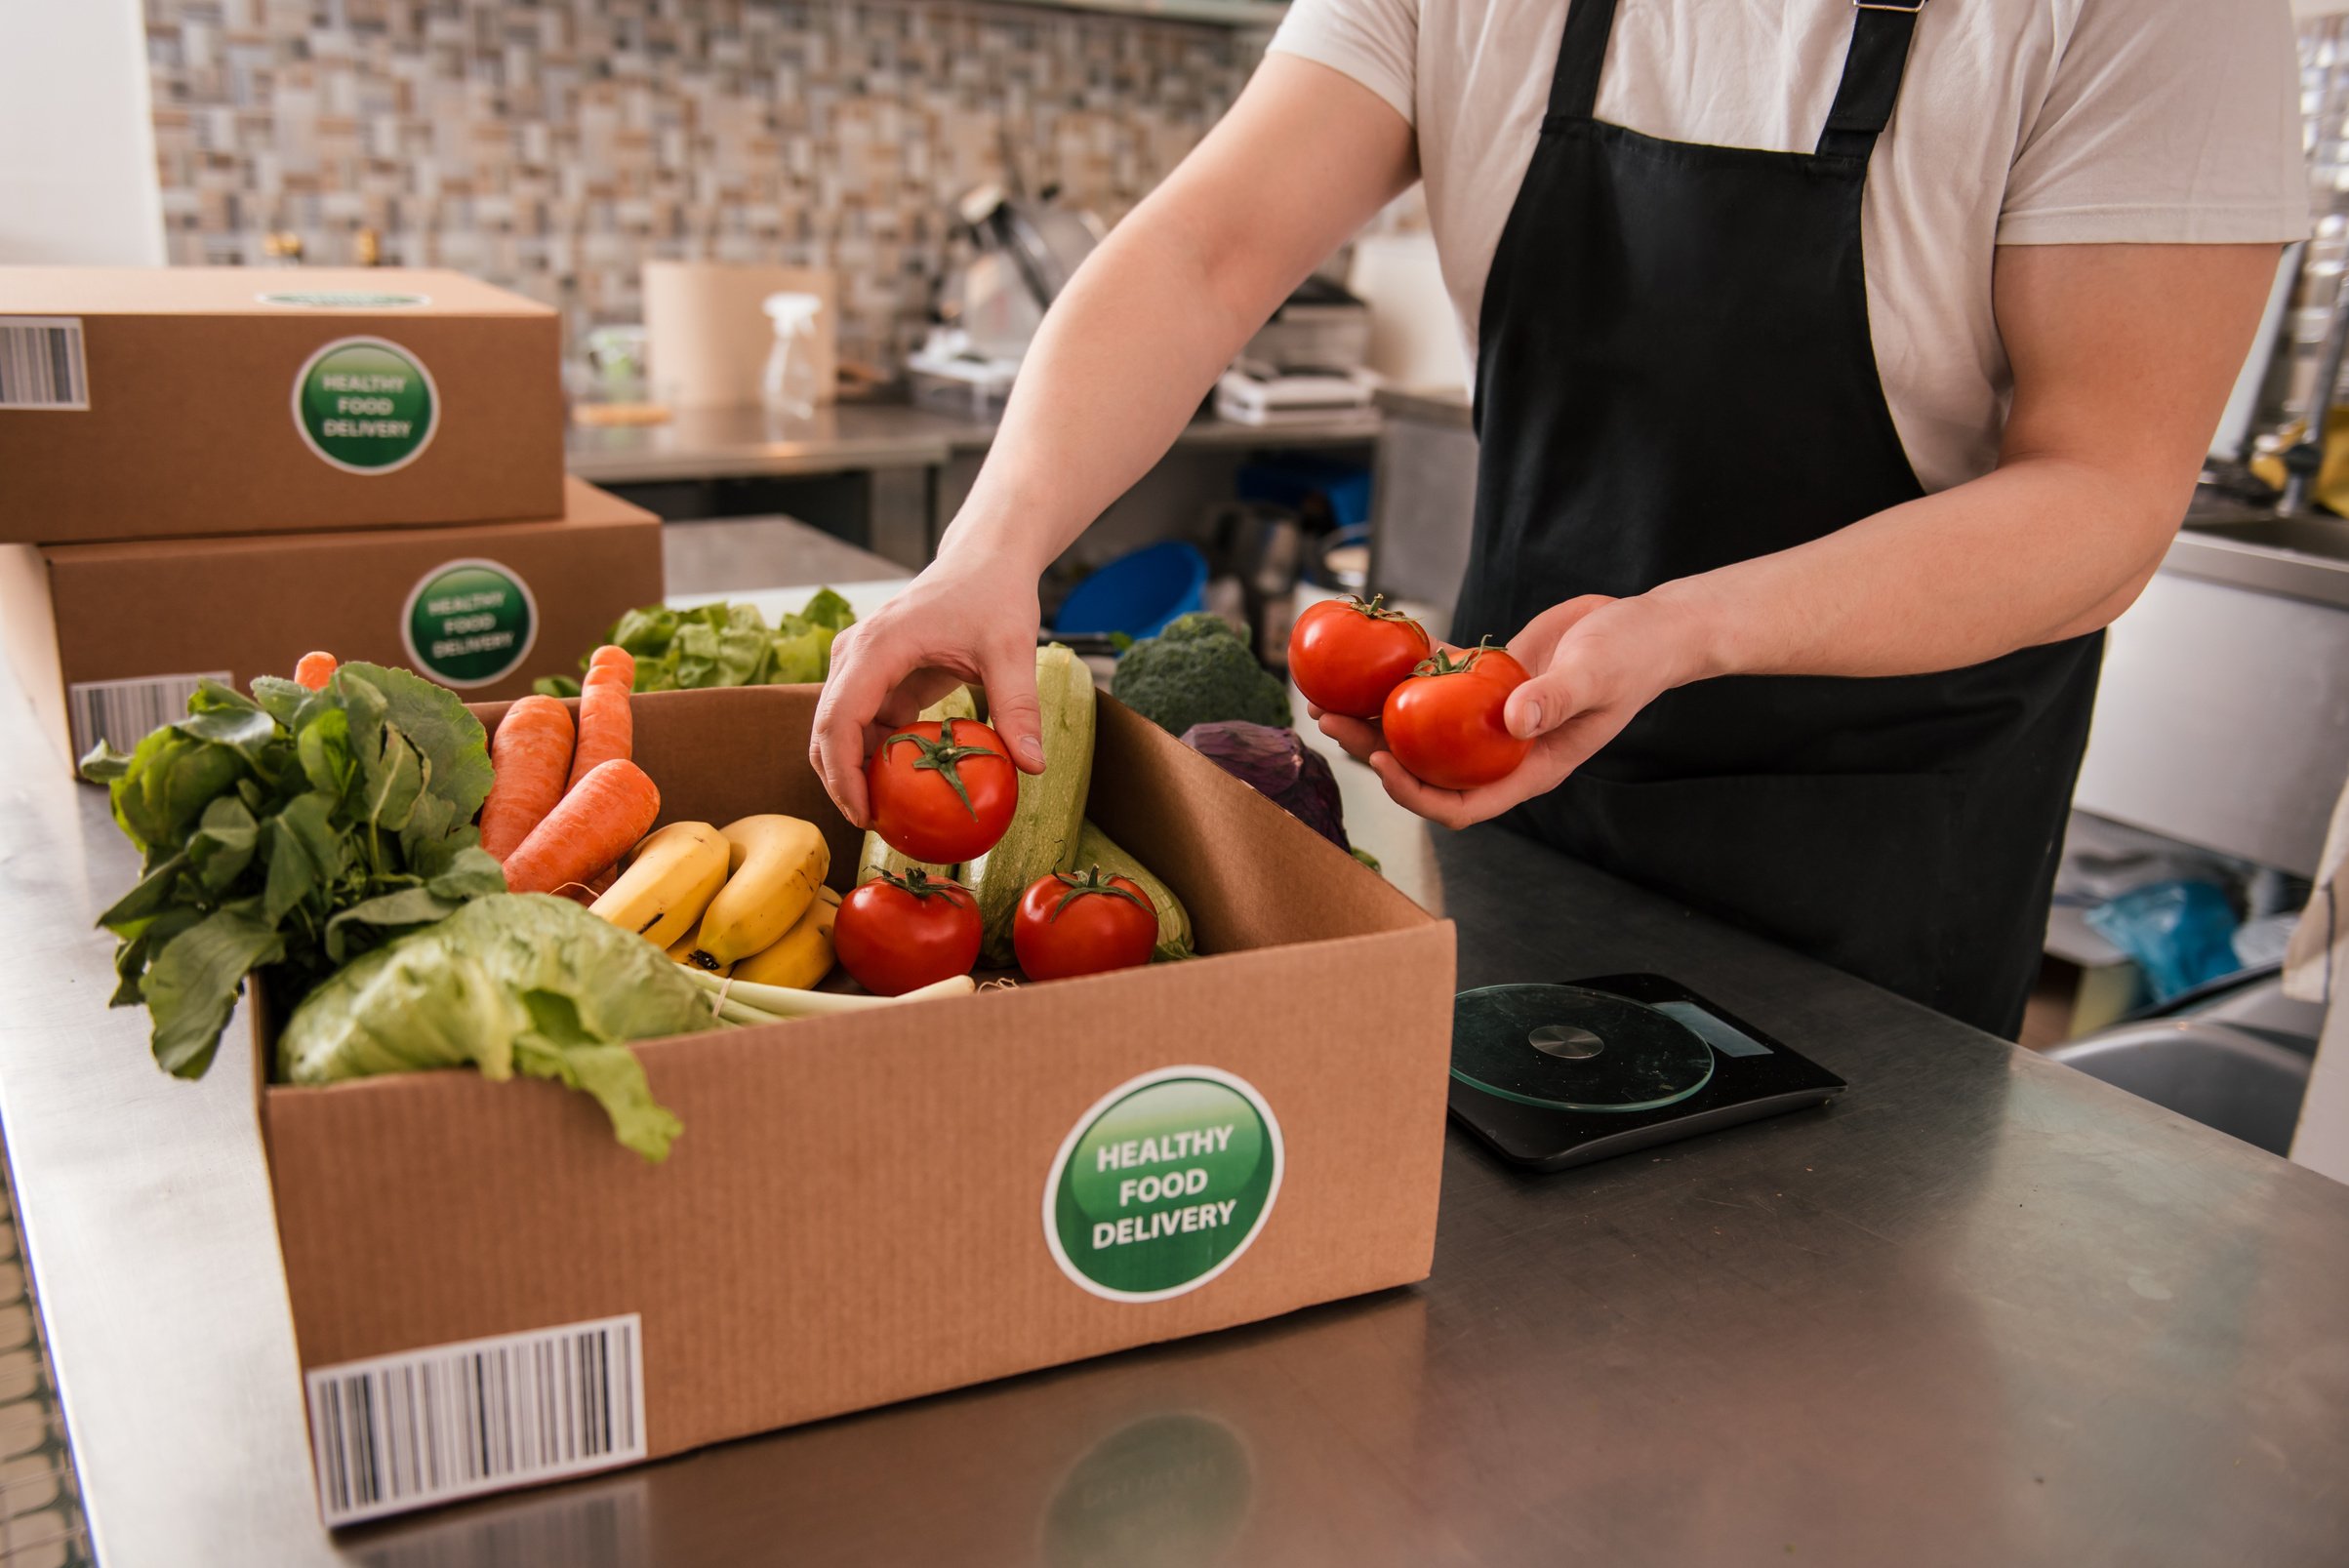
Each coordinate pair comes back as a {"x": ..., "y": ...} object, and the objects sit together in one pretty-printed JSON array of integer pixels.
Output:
[{"x": 2179, "y": 933}]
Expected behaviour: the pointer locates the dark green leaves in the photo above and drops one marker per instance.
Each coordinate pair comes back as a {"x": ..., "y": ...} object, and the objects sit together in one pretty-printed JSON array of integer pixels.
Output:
[
  {"x": 434, "y": 722},
  {"x": 191, "y": 984},
  {"x": 291, "y": 827}
]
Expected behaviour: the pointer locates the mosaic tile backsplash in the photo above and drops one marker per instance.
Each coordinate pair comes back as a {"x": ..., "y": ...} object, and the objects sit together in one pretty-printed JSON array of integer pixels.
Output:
[{"x": 552, "y": 145}]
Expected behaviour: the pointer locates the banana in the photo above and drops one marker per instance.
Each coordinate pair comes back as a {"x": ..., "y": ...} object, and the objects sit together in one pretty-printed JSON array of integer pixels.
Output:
[
  {"x": 672, "y": 876},
  {"x": 775, "y": 863},
  {"x": 803, "y": 954},
  {"x": 681, "y": 950}
]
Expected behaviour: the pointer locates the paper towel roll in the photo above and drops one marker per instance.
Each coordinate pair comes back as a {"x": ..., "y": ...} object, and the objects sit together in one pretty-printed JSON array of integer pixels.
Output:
[{"x": 706, "y": 336}]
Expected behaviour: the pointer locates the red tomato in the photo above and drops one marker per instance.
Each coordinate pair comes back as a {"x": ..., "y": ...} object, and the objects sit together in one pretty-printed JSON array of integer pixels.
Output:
[
  {"x": 898, "y": 933},
  {"x": 1346, "y": 655},
  {"x": 941, "y": 792},
  {"x": 1072, "y": 924},
  {"x": 1444, "y": 723}
]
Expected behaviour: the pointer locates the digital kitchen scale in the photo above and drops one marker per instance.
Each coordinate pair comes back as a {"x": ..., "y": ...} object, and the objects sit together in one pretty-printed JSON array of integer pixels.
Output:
[{"x": 1558, "y": 1076}]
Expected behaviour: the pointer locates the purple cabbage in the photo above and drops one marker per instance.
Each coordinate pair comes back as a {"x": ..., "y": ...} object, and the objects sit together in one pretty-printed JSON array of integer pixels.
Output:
[{"x": 1279, "y": 766}]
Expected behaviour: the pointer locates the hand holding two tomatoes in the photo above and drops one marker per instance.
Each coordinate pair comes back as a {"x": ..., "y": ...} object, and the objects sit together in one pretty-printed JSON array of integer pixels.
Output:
[{"x": 1589, "y": 665}]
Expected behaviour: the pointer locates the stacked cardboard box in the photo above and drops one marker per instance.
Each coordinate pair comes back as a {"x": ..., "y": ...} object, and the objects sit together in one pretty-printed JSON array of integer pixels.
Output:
[{"x": 209, "y": 472}]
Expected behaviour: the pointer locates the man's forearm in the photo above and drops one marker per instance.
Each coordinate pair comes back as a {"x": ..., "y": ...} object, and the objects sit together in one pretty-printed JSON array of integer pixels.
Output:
[
  {"x": 2036, "y": 551},
  {"x": 1303, "y": 160},
  {"x": 1109, "y": 383}
]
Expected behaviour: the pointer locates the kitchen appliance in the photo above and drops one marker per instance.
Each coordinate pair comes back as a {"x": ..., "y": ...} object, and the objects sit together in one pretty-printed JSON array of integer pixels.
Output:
[
  {"x": 1023, "y": 253},
  {"x": 1320, "y": 328},
  {"x": 1304, "y": 365},
  {"x": 1552, "y": 1076},
  {"x": 1251, "y": 395}
]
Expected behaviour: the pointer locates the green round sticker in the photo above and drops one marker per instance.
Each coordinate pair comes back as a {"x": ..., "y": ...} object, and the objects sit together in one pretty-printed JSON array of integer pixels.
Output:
[
  {"x": 1162, "y": 1185},
  {"x": 346, "y": 300},
  {"x": 365, "y": 405},
  {"x": 468, "y": 623}
]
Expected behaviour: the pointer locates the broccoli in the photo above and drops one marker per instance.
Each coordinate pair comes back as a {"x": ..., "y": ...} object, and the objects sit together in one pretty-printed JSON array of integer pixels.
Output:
[{"x": 1199, "y": 670}]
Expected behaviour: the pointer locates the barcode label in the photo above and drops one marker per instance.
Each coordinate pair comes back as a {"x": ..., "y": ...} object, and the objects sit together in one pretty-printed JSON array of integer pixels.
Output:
[
  {"x": 123, "y": 713},
  {"x": 41, "y": 363},
  {"x": 400, "y": 1431}
]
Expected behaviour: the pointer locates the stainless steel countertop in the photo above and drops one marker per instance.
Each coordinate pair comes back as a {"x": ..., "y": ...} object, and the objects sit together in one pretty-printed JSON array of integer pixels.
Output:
[
  {"x": 1431, "y": 405},
  {"x": 2297, "y": 557},
  {"x": 1982, "y": 1310},
  {"x": 737, "y": 555},
  {"x": 729, "y": 443}
]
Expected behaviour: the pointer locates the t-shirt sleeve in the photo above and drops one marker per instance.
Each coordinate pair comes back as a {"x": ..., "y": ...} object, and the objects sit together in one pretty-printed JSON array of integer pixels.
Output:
[
  {"x": 1375, "y": 42},
  {"x": 2165, "y": 124}
]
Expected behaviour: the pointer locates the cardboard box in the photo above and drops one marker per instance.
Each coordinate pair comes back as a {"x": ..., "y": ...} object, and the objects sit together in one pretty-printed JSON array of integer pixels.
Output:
[
  {"x": 867, "y": 1208},
  {"x": 111, "y": 639},
  {"x": 149, "y": 402}
]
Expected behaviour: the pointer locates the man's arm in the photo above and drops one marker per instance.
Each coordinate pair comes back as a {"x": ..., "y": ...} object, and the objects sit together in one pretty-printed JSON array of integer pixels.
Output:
[
  {"x": 2122, "y": 358},
  {"x": 1303, "y": 160}
]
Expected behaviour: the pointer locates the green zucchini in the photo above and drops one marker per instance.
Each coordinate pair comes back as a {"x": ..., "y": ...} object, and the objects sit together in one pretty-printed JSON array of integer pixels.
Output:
[
  {"x": 878, "y": 856},
  {"x": 1043, "y": 832},
  {"x": 1095, "y": 848}
]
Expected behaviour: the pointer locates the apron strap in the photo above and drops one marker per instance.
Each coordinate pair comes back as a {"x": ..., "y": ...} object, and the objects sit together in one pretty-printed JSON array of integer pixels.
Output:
[
  {"x": 1872, "y": 72},
  {"x": 1581, "y": 54}
]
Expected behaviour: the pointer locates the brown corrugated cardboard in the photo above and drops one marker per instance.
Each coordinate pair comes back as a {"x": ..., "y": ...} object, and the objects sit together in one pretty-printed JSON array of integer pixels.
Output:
[
  {"x": 178, "y": 401},
  {"x": 859, "y": 1207},
  {"x": 110, "y": 638}
]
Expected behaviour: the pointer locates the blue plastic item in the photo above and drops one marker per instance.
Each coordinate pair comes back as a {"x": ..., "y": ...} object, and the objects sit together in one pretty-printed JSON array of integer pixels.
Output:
[
  {"x": 1138, "y": 593},
  {"x": 1294, "y": 477},
  {"x": 2177, "y": 932}
]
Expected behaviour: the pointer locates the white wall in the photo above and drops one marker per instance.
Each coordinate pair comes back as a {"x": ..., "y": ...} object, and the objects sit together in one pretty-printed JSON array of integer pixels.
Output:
[{"x": 77, "y": 145}]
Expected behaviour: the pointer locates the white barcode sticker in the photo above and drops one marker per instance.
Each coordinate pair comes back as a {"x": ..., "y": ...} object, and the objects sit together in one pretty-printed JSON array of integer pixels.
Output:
[
  {"x": 400, "y": 1431},
  {"x": 41, "y": 363},
  {"x": 123, "y": 713}
]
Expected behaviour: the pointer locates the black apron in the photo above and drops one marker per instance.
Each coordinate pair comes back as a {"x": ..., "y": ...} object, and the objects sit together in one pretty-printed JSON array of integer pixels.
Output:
[{"x": 1674, "y": 374}]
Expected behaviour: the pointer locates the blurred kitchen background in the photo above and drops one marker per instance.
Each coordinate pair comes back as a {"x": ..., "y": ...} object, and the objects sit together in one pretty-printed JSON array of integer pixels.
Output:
[{"x": 800, "y": 246}]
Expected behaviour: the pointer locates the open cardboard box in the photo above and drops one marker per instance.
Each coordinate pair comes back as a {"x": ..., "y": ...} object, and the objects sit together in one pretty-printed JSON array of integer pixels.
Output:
[{"x": 867, "y": 1208}]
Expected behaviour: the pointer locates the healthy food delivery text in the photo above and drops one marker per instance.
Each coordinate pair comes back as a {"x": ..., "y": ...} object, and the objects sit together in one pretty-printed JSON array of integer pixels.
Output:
[{"x": 1156, "y": 1188}]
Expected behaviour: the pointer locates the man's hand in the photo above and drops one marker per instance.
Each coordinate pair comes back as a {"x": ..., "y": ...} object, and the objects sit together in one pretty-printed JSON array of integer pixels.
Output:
[
  {"x": 1594, "y": 664},
  {"x": 960, "y": 622}
]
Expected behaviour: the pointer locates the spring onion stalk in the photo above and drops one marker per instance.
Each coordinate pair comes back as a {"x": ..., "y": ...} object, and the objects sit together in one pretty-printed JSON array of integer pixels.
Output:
[{"x": 773, "y": 1003}]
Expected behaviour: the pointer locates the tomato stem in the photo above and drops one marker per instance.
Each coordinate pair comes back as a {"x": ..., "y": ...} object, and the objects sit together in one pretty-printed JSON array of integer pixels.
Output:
[
  {"x": 922, "y": 884},
  {"x": 1442, "y": 662},
  {"x": 1091, "y": 882},
  {"x": 943, "y": 757},
  {"x": 1375, "y": 608}
]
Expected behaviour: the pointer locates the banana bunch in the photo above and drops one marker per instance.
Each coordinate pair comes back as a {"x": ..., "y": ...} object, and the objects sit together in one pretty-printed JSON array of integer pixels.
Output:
[{"x": 747, "y": 899}]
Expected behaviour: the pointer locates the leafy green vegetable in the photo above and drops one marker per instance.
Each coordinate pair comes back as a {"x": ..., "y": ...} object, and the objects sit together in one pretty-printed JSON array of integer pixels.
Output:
[
  {"x": 291, "y": 830},
  {"x": 722, "y": 645},
  {"x": 513, "y": 983},
  {"x": 1199, "y": 670}
]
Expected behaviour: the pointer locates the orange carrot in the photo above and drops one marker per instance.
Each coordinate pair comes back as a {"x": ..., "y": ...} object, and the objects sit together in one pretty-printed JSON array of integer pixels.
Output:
[
  {"x": 585, "y": 893},
  {"x": 530, "y": 753},
  {"x": 590, "y": 828},
  {"x": 314, "y": 670},
  {"x": 607, "y": 727}
]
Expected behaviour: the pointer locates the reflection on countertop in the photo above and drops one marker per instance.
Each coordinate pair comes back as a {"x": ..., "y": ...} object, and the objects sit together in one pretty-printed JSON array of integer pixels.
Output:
[{"x": 736, "y": 442}]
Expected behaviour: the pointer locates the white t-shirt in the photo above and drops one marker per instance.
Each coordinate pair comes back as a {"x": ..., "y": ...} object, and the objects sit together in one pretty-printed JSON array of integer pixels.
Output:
[{"x": 2020, "y": 122}]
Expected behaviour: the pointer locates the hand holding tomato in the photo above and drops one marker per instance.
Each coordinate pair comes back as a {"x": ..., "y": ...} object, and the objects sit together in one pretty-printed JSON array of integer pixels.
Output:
[
  {"x": 896, "y": 933},
  {"x": 1590, "y": 665},
  {"x": 1444, "y": 721},
  {"x": 1072, "y": 923},
  {"x": 1346, "y": 655},
  {"x": 942, "y": 791}
]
